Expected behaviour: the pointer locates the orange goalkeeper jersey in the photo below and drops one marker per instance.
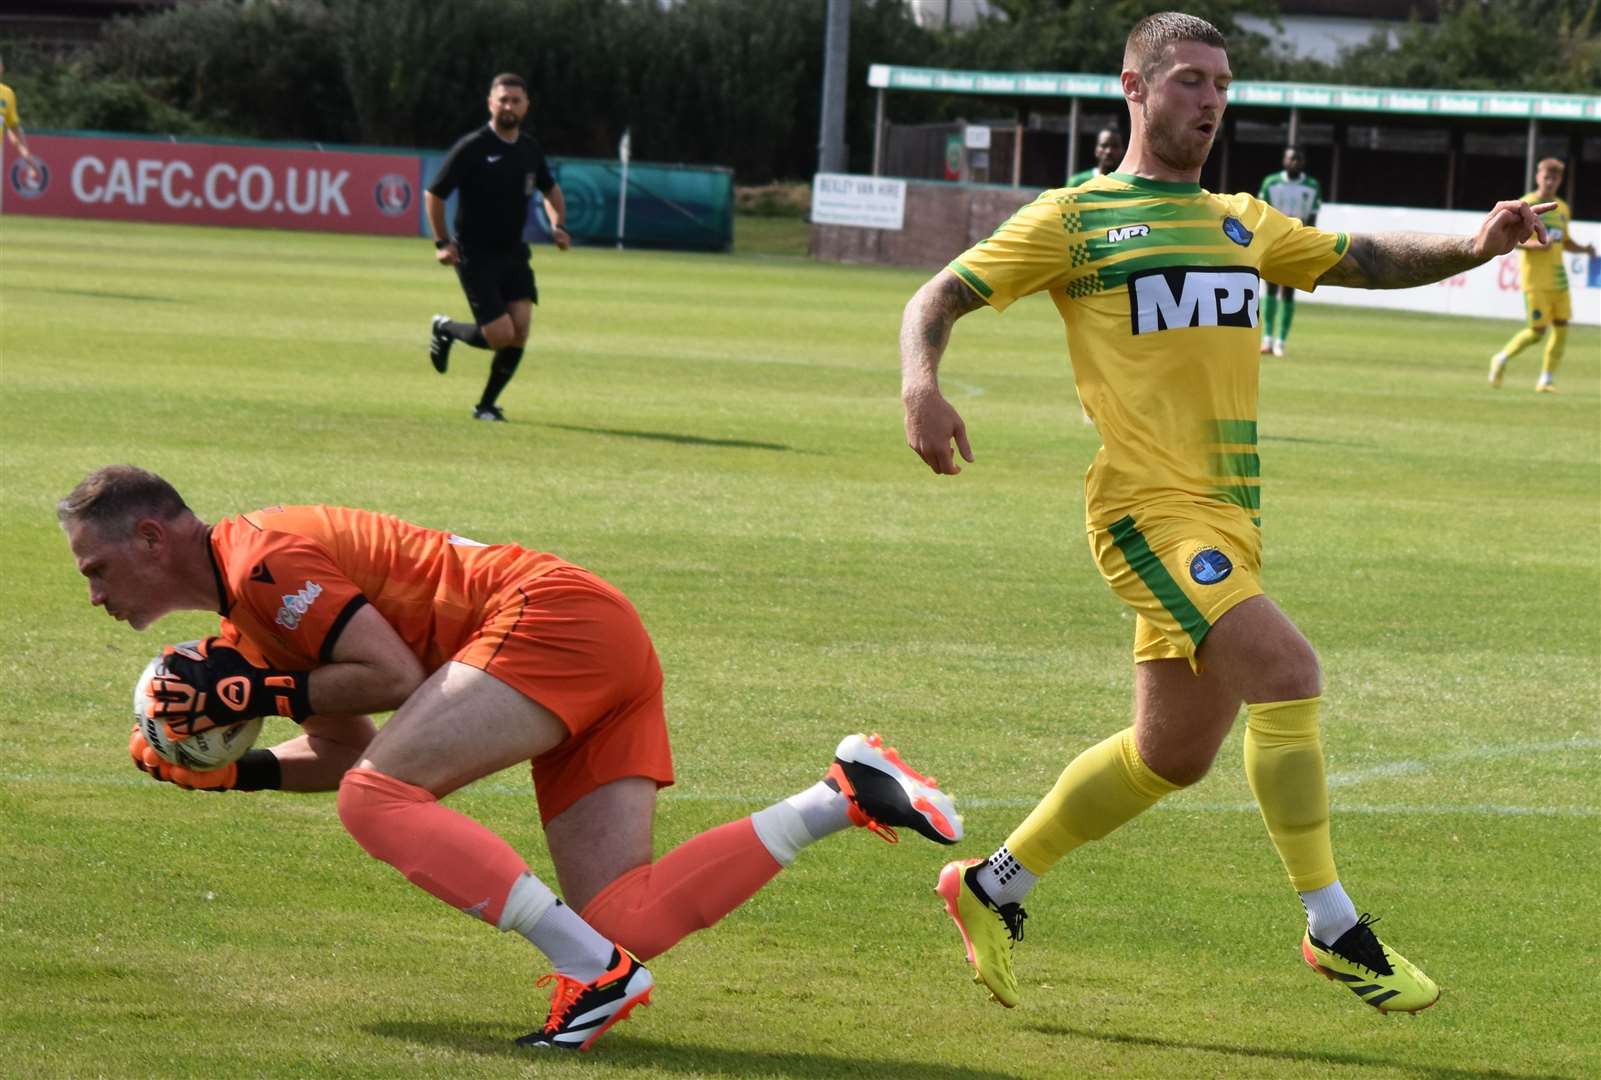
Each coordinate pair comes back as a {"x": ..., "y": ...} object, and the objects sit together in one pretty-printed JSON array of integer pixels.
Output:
[{"x": 291, "y": 577}]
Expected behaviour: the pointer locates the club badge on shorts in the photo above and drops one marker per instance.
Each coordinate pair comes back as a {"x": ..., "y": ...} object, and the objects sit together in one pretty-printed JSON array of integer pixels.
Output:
[{"x": 1210, "y": 566}]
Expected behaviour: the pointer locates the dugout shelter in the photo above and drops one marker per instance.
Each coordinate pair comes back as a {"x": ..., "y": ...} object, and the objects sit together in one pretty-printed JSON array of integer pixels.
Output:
[{"x": 1441, "y": 149}]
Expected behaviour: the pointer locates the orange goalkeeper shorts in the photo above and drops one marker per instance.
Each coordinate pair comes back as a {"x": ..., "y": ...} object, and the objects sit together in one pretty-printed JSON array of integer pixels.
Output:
[{"x": 574, "y": 644}]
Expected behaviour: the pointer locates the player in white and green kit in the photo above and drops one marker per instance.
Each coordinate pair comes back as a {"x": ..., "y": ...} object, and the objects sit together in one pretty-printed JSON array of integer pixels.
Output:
[
  {"x": 1293, "y": 193},
  {"x": 1158, "y": 281}
]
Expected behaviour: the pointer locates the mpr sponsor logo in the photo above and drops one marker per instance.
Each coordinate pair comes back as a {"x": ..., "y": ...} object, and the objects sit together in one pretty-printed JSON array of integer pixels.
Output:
[
  {"x": 1126, "y": 232},
  {"x": 1177, "y": 297},
  {"x": 1210, "y": 567},
  {"x": 297, "y": 604}
]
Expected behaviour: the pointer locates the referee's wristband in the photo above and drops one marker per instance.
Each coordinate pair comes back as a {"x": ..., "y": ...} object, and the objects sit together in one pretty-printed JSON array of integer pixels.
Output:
[{"x": 442, "y": 244}]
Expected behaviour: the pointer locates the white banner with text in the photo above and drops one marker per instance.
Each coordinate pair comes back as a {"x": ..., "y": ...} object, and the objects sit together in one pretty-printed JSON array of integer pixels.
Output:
[
  {"x": 868, "y": 202},
  {"x": 1489, "y": 291}
]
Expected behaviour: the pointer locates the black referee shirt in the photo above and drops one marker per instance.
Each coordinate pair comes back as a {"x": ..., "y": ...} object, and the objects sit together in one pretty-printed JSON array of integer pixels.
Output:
[{"x": 496, "y": 179}]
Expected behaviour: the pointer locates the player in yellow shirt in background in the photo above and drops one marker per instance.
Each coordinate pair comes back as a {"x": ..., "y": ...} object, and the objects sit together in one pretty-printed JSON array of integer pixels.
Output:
[
  {"x": 1158, "y": 283},
  {"x": 1545, "y": 281},
  {"x": 13, "y": 124}
]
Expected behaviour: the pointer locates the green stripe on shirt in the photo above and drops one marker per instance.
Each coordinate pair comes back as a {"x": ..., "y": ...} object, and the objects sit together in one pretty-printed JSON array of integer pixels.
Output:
[{"x": 977, "y": 283}]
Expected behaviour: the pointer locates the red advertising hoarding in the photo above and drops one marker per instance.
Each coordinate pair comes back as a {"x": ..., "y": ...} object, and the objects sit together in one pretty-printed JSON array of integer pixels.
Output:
[{"x": 213, "y": 184}]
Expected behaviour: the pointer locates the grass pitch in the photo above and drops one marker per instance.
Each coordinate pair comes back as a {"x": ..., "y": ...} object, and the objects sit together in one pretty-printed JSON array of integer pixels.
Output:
[{"x": 721, "y": 436}]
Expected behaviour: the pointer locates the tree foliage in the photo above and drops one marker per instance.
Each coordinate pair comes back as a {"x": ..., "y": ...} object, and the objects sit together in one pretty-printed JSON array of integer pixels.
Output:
[
  {"x": 733, "y": 82},
  {"x": 1552, "y": 45}
]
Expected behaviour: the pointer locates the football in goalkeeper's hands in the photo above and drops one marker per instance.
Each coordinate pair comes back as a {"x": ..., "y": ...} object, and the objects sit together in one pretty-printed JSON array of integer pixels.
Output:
[{"x": 210, "y": 749}]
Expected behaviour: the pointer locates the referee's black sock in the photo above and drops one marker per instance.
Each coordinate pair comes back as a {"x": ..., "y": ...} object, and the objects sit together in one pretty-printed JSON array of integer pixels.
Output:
[
  {"x": 466, "y": 332},
  {"x": 501, "y": 369}
]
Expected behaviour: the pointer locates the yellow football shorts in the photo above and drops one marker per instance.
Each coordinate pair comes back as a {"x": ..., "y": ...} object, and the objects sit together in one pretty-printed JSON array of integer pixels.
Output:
[
  {"x": 1180, "y": 570},
  {"x": 1544, "y": 306}
]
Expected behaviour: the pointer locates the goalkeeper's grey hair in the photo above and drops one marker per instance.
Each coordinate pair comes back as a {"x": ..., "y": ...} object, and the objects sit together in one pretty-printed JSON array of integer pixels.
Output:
[
  {"x": 114, "y": 497},
  {"x": 1148, "y": 41}
]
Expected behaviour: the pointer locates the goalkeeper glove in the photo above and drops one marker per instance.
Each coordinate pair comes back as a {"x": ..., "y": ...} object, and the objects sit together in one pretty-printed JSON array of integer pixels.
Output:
[
  {"x": 212, "y": 685},
  {"x": 148, "y": 761},
  {"x": 258, "y": 770}
]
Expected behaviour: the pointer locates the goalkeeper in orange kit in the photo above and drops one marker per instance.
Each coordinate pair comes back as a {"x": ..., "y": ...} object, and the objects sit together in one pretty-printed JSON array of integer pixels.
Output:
[{"x": 490, "y": 655}]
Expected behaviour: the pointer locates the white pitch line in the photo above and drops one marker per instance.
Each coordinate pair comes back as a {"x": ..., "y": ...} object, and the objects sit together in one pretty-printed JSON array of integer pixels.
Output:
[
  {"x": 1180, "y": 804},
  {"x": 970, "y": 389},
  {"x": 1182, "y": 807},
  {"x": 1477, "y": 753}
]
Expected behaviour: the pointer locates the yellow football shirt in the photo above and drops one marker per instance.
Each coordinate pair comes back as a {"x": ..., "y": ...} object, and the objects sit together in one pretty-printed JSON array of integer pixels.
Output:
[
  {"x": 1544, "y": 271},
  {"x": 1158, "y": 284},
  {"x": 8, "y": 107}
]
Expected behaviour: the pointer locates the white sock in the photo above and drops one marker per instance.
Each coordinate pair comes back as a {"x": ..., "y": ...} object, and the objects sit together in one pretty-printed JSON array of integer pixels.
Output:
[
  {"x": 1329, "y": 912},
  {"x": 1004, "y": 879},
  {"x": 575, "y": 948},
  {"x": 804, "y": 818}
]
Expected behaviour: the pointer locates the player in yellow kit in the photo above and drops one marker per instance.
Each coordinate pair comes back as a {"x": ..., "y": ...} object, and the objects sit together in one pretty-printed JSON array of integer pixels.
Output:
[
  {"x": 12, "y": 123},
  {"x": 1546, "y": 300},
  {"x": 1158, "y": 282}
]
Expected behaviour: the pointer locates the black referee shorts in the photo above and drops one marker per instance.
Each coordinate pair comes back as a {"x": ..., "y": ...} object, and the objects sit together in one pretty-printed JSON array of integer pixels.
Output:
[{"x": 492, "y": 280}]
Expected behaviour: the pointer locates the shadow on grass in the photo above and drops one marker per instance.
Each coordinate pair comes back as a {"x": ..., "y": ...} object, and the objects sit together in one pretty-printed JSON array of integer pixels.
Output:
[
  {"x": 668, "y": 436},
  {"x": 618, "y": 1050},
  {"x": 1314, "y": 1057},
  {"x": 96, "y": 294}
]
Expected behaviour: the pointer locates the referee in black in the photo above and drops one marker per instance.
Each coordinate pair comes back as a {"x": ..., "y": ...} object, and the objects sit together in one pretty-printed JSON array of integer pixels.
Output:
[{"x": 496, "y": 169}]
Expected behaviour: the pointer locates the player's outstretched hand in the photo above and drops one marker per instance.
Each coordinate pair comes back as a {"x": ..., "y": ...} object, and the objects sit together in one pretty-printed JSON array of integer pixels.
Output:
[
  {"x": 213, "y": 685},
  {"x": 146, "y": 760},
  {"x": 931, "y": 425},
  {"x": 1511, "y": 222}
]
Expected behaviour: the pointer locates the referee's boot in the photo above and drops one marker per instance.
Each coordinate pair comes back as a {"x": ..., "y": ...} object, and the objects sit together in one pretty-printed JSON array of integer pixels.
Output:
[{"x": 439, "y": 342}]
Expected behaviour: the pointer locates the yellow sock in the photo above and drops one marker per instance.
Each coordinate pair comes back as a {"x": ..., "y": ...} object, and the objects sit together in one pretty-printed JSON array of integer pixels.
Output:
[
  {"x": 1284, "y": 764},
  {"x": 1554, "y": 350},
  {"x": 1520, "y": 341},
  {"x": 1099, "y": 790}
]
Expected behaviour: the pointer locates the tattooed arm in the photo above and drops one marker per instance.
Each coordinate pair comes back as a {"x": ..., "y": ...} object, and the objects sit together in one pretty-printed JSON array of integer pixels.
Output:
[
  {"x": 931, "y": 422},
  {"x": 1402, "y": 260}
]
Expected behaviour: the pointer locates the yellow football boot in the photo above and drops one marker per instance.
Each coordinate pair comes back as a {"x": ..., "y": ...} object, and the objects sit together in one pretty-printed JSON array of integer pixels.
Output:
[
  {"x": 1371, "y": 970},
  {"x": 987, "y": 931}
]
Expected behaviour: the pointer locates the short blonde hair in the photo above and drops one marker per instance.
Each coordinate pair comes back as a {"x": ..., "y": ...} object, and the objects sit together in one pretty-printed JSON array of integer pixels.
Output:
[
  {"x": 1551, "y": 163},
  {"x": 114, "y": 497},
  {"x": 1148, "y": 41}
]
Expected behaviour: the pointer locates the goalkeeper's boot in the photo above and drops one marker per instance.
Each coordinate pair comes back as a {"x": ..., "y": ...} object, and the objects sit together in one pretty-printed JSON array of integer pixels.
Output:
[
  {"x": 580, "y": 1012},
  {"x": 489, "y": 412},
  {"x": 988, "y": 931},
  {"x": 1497, "y": 369},
  {"x": 439, "y": 342},
  {"x": 1371, "y": 970},
  {"x": 882, "y": 791}
]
